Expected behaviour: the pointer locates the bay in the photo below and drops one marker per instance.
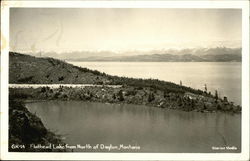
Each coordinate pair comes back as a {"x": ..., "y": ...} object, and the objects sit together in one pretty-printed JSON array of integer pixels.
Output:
[{"x": 152, "y": 129}]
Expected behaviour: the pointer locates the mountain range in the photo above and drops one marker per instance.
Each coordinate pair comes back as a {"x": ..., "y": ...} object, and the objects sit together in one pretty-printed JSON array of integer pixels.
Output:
[{"x": 219, "y": 54}]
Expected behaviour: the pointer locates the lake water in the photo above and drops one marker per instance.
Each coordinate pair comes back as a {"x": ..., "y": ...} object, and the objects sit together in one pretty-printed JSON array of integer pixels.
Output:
[
  {"x": 152, "y": 129},
  {"x": 222, "y": 76}
]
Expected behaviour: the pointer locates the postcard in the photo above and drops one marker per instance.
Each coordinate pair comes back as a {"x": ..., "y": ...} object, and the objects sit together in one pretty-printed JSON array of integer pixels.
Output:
[{"x": 125, "y": 80}]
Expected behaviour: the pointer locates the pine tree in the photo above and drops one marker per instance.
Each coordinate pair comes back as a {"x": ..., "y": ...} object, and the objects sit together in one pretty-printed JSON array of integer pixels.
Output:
[
  {"x": 151, "y": 97},
  {"x": 114, "y": 97},
  {"x": 216, "y": 94},
  {"x": 120, "y": 96}
]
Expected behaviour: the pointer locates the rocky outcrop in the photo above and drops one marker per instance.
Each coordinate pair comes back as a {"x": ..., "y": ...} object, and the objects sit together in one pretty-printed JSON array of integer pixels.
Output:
[{"x": 26, "y": 129}]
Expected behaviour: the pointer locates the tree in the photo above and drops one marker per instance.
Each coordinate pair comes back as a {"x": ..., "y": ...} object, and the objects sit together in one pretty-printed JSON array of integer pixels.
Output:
[
  {"x": 151, "y": 97},
  {"x": 205, "y": 88},
  {"x": 216, "y": 94},
  {"x": 120, "y": 96},
  {"x": 180, "y": 83},
  {"x": 114, "y": 97},
  {"x": 43, "y": 89},
  {"x": 165, "y": 94}
]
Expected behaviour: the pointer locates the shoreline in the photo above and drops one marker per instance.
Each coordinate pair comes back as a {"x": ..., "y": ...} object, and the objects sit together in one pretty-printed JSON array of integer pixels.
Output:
[
  {"x": 127, "y": 95},
  {"x": 119, "y": 104}
]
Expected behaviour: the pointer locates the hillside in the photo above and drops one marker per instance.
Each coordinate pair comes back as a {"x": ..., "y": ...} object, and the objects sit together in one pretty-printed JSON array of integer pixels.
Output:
[
  {"x": 25, "y": 69},
  {"x": 29, "y": 69}
]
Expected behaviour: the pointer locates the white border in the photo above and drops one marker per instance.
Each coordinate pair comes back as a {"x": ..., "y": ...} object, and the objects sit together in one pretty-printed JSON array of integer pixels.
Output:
[{"x": 244, "y": 5}]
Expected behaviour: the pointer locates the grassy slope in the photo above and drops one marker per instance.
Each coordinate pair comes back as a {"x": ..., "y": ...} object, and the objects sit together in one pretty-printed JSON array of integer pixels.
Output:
[
  {"x": 29, "y": 69},
  {"x": 34, "y": 70}
]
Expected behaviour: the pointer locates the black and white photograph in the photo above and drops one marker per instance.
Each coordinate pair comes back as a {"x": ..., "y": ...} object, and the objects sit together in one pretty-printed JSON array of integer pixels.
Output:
[{"x": 119, "y": 80}]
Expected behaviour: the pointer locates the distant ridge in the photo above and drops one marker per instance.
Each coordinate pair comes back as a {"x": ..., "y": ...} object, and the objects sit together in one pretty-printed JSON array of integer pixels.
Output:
[{"x": 219, "y": 54}]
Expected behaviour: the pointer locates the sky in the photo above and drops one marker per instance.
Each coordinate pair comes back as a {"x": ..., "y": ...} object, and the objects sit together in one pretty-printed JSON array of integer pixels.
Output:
[{"x": 122, "y": 29}]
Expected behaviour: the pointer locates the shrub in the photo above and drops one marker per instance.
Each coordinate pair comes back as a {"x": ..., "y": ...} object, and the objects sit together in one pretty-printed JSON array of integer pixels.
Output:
[{"x": 61, "y": 78}]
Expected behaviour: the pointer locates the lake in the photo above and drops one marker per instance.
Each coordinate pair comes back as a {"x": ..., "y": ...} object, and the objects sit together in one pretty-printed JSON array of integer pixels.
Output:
[
  {"x": 149, "y": 128},
  {"x": 222, "y": 76}
]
